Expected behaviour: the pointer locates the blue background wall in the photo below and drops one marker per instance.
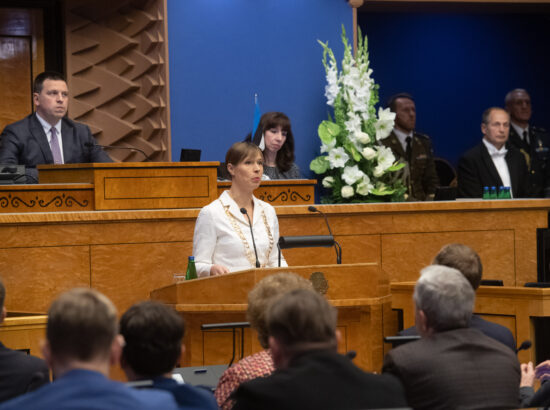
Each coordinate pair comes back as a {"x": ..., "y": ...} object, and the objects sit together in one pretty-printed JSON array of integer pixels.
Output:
[
  {"x": 222, "y": 52},
  {"x": 457, "y": 65}
]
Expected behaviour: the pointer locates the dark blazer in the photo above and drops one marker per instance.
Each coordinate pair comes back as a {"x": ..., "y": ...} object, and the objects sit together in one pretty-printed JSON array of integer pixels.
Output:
[
  {"x": 320, "y": 380},
  {"x": 537, "y": 157},
  {"x": 493, "y": 330},
  {"x": 460, "y": 368},
  {"x": 423, "y": 176},
  {"x": 24, "y": 142},
  {"x": 541, "y": 398},
  {"x": 477, "y": 170},
  {"x": 20, "y": 373},
  {"x": 86, "y": 389}
]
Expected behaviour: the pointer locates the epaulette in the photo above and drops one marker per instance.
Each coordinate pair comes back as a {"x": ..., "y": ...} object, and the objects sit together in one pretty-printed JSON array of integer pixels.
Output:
[
  {"x": 419, "y": 135},
  {"x": 538, "y": 129}
]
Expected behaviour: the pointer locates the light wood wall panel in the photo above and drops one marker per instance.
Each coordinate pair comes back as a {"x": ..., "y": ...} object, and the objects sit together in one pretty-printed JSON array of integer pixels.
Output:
[{"x": 117, "y": 70}]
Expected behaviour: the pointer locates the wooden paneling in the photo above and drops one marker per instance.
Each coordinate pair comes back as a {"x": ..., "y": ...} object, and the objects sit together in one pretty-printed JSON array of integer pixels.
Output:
[
  {"x": 117, "y": 69},
  {"x": 24, "y": 332},
  {"x": 46, "y": 198},
  {"x": 21, "y": 58},
  {"x": 151, "y": 185},
  {"x": 360, "y": 292},
  {"x": 512, "y": 307},
  {"x": 282, "y": 192}
]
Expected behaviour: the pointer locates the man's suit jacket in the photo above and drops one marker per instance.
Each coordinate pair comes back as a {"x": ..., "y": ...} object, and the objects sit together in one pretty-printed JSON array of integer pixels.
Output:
[
  {"x": 493, "y": 330},
  {"x": 460, "y": 368},
  {"x": 86, "y": 389},
  {"x": 537, "y": 157},
  {"x": 477, "y": 170},
  {"x": 20, "y": 373},
  {"x": 24, "y": 142},
  {"x": 423, "y": 179},
  {"x": 320, "y": 379}
]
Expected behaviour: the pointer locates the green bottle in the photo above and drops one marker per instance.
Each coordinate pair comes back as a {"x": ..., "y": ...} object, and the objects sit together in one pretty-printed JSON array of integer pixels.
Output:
[{"x": 191, "y": 269}]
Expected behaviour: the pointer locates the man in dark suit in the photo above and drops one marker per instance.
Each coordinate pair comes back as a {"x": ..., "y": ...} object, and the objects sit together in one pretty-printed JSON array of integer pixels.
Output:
[
  {"x": 82, "y": 342},
  {"x": 452, "y": 366},
  {"x": 19, "y": 372},
  {"x": 153, "y": 336},
  {"x": 310, "y": 373},
  {"x": 412, "y": 147},
  {"x": 533, "y": 142},
  {"x": 467, "y": 261},
  {"x": 47, "y": 136},
  {"x": 490, "y": 163}
]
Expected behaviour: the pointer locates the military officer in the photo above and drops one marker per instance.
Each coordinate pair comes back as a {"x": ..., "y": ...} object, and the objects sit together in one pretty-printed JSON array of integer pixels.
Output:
[
  {"x": 533, "y": 142},
  {"x": 412, "y": 147}
]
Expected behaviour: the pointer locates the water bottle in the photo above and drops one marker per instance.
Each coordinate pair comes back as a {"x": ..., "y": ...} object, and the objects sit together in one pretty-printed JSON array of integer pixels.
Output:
[
  {"x": 493, "y": 193},
  {"x": 486, "y": 194},
  {"x": 191, "y": 269}
]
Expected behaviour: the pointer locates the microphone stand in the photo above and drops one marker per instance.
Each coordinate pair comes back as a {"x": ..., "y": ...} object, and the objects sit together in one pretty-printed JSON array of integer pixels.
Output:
[{"x": 243, "y": 211}]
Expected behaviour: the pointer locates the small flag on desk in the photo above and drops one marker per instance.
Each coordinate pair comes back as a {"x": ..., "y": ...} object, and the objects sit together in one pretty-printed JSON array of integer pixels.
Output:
[{"x": 259, "y": 141}]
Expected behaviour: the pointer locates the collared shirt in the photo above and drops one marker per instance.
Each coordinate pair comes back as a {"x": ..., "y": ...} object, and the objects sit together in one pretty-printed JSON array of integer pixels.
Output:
[
  {"x": 48, "y": 130},
  {"x": 498, "y": 157},
  {"x": 402, "y": 137},
  {"x": 520, "y": 131}
]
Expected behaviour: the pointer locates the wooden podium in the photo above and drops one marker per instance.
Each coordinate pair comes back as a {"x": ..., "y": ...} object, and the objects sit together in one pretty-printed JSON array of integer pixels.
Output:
[{"x": 360, "y": 292}]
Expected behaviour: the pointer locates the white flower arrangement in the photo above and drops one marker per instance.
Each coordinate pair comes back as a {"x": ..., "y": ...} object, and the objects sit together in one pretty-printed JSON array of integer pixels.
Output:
[{"x": 356, "y": 167}]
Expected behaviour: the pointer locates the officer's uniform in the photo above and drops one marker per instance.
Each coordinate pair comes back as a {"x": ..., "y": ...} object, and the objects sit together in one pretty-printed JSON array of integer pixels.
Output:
[{"x": 422, "y": 177}]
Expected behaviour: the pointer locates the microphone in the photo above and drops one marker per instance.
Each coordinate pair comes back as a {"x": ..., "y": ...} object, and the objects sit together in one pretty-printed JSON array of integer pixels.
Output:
[
  {"x": 526, "y": 344},
  {"x": 337, "y": 246},
  {"x": 243, "y": 211},
  {"x": 91, "y": 145},
  {"x": 311, "y": 208}
]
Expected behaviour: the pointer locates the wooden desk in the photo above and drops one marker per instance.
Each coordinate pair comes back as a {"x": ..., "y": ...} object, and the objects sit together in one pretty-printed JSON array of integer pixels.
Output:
[
  {"x": 140, "y": 185},
  {"x": 513, "y": 307},
  {"x": 127, "y": 254},
  {"x": 359, "y": 291},
  {"x": 282, "y": 191}
]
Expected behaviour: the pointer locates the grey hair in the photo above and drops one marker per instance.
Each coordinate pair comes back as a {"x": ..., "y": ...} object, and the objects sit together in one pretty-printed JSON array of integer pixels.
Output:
[
  {"x": 445, "y": 296},
  {"x": 510, "y": 96}
]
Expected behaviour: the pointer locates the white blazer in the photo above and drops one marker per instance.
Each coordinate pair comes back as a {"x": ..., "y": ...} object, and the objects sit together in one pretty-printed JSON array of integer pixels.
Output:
[{"x": 217, "y": 242}]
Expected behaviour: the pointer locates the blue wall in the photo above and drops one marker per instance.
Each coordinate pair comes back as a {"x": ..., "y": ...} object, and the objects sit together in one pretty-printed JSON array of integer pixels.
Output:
[
  {"x": 222, "y": 52},
  {"x": 456, "y": 65}
]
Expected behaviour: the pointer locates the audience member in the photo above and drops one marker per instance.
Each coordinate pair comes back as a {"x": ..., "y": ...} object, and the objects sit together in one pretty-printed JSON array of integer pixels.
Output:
[
  {"x": 412, "y": 147},
  {"x": 533, "y": 142},
  {"x": 259, "y": 364},
  {"x": 81, "y": 344},
  {"x": 275, "y": 139},
  {"x": 467, "y": 261},
  {"x": 452, "y": 366},
  {"x": 47, "y": 136},
  {"x": 19, "y": 373},
  {"x": 528, "y": 397},
  {"x": 310, "y": 373},
  {"x": 153, "y": 335},
  {"x": 490, "y": 163}
]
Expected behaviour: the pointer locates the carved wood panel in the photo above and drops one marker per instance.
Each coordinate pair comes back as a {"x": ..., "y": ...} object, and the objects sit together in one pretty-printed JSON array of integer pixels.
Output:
[{"x": 117, "y": 70}]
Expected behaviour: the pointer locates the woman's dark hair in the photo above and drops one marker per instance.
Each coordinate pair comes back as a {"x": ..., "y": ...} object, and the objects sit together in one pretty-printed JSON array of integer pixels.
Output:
[{"x": 285, "y": 156}]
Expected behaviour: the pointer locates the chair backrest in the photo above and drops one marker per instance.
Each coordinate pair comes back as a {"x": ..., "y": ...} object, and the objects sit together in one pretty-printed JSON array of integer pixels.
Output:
[{"x": 445, "y": 172}]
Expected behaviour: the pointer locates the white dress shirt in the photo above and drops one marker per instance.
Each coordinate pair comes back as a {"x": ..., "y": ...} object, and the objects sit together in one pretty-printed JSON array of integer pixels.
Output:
[
  {"x": 216, "y": 241},
  {"x": 402, "y": 137},
  {"x": 48, "y": 130},
  {"x": 520, "y": 131},
  {"x": 498, "y": 157}
]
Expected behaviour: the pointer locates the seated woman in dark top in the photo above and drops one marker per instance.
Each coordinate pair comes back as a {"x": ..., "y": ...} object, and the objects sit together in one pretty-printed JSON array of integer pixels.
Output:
[{"x": 275, "y": 139}]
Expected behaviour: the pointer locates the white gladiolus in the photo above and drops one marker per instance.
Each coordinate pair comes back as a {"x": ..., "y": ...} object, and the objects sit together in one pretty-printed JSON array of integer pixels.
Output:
[
  {"x": 332, "y": 89},
  {"x": 347, "y": 191}
]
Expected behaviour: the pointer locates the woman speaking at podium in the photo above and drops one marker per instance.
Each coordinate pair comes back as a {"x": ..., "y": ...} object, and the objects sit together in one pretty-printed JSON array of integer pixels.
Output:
[{"x": 223, "y": 240}]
